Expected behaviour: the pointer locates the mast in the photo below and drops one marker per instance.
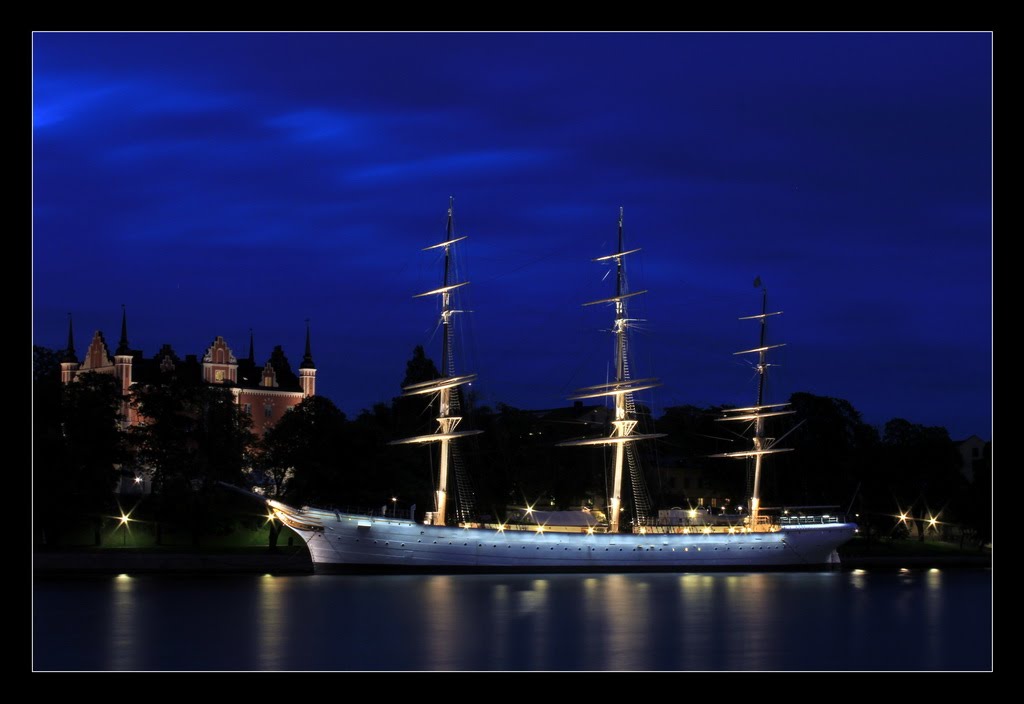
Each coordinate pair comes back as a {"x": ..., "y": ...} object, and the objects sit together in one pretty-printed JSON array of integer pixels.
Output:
[
  {"x": 448, "y": 382},
  {"x": 621, "y": 390},
  {"x": 762, "y": 445}
]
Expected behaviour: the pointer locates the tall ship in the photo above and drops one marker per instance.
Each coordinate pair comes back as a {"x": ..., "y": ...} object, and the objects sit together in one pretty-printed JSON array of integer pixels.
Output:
[{"x": 539, "y": 541}]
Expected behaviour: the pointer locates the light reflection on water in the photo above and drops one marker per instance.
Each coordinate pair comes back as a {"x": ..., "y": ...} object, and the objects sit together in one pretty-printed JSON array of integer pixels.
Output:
[
  {"x": 122, "y": 635},
  {"x": 273, "y": 617},
  {"x": 860, "y": 620},
  {"x": 441, "y": 623},
  {"x": 626, "y": 610}
]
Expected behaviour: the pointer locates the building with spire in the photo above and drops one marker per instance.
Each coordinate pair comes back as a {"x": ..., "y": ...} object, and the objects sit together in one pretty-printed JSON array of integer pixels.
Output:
[{"x": 265, "y": 391}]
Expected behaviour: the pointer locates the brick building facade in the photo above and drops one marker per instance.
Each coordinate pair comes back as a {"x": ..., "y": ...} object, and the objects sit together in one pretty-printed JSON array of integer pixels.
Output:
[{"x": 264, "y": 392}]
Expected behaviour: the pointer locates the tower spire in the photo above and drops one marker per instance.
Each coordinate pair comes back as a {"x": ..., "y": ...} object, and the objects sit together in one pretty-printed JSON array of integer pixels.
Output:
[
  {"x": 252, "y": 352},
  {"x": 307, "y": 359},
  {"x": 69, "y": 353},
  {"x": 122, "y": 346}
]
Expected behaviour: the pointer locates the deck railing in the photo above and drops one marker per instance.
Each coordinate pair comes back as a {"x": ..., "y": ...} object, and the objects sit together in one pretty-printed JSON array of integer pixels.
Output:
[
  {"x": 810, "y": 520},
  {"x": 402, "y": 514}
]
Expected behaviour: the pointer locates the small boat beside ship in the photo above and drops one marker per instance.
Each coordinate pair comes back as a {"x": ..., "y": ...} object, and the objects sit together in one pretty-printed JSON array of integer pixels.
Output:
[{"x": 577, "y": 541}]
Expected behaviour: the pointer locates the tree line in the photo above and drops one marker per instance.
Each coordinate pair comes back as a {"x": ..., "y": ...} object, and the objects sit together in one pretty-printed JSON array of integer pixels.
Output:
[{"x": 195, "y": 437}]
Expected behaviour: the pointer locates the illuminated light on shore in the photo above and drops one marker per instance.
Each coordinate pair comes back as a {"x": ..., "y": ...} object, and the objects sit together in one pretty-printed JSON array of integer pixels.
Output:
[
  {"x": 707, "y": 531},
  {"x": 903, "y": 518},
  {"x": 932, "y": 521},
  {"x": 590, "y": 530}
]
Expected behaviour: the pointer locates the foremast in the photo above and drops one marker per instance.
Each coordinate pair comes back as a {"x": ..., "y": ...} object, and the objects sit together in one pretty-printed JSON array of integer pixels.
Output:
[
  {"x": 621, "y": 390},
  {"x": 446, "y": 386},
  {"x": 756, "y": 414}
]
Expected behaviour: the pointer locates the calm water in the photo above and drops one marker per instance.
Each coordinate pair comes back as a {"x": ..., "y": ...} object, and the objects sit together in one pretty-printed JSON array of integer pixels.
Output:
[{"x": 884, "y": 620}]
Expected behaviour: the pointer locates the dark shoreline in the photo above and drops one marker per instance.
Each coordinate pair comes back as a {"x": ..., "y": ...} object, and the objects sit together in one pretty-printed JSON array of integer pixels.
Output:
[
  {"x": 67, "y": 563},
  {"x": 916, "y": 561},
  {"x": 168, "y": 562}
]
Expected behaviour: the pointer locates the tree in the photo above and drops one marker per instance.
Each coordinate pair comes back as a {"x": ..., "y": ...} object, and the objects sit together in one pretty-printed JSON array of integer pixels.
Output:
[
  {"x": 833, "y": 448},
  {"x": 193, "y": 436},
  {"x": 301, "y": 455},
  {"x": 283, "y": 370},
  {"x": 405, "y": 471},
  {"x": 77, "y": 447},
  {"x": 979, "y": 498},
  {"x": 45, "y": 365},
  {"x": 48, "y": 462},
  {"x": 693, "y": 436},
  {"x": 923, "y": 469},
  {"x": 415, "y": 415}
]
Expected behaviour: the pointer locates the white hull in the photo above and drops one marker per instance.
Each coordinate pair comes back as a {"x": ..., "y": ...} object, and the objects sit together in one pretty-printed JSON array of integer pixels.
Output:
[{"x": 341, "y": 541}]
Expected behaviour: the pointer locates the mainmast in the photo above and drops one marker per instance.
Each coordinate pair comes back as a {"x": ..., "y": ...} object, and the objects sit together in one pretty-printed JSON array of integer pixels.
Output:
[
  {"x": 621, "y": 390},
  {"x": 762, "y": 445},
  {"x": 448, "y": 382}
]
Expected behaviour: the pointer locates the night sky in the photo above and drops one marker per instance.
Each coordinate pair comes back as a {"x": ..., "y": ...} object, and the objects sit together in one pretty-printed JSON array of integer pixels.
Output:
[{"x": 215, "y": 183}]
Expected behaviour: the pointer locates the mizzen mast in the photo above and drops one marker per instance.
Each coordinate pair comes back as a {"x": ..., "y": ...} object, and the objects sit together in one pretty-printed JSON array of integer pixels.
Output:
[
  {"x": 622, "y": 389},
  {"x": 756, "y": 414},
  {"x": 446, "y": 386}
]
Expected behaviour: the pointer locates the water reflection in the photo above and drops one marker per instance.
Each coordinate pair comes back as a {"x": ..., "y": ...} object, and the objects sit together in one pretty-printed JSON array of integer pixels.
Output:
[
  {"x": 592, "y": 620},
  {"x": 626, "y": 617},
  {"x": 538, "y": 611},
  {"x": 499, "y": 626},
  {"x": 441, "y": 618},
  {"x": 696, "y": 609},
  {"x": 933, "y": 614},
  {"x": 761, "y": 621},
  {"x": 123, "y": 644},
  {"x": 272, "y": 619}
]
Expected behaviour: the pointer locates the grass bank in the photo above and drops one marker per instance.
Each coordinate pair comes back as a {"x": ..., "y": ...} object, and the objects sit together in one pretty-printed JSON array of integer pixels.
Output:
[{"x": 889, "y": 552}]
